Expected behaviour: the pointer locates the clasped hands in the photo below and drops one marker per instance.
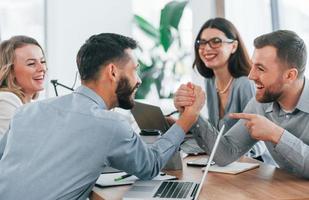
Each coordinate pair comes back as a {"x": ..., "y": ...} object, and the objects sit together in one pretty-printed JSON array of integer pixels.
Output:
[{"x": 259, "y": 127}]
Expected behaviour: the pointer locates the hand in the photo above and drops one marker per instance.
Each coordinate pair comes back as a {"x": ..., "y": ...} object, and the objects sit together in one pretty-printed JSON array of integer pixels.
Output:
[
  {"x": 184, "y": 96},
  {"x": 259, "y": 127},
  {"x": 170, "y": 120},
  {"x": 198, "y": 103},
  {"x": 190, "y": 113}
]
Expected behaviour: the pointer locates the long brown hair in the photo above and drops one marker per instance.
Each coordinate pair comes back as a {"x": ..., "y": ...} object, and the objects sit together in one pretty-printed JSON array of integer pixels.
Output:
[
  {"x": 7, "y": 56},
  {"x": 239, "y": 62}
]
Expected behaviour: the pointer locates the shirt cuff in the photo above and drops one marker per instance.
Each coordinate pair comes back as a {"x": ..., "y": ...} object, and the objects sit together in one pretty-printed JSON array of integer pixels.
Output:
[
  {"x": 196, "y": 126},
  {"x": 175, "y": 134},
  {"x": 286, "y": 143}
]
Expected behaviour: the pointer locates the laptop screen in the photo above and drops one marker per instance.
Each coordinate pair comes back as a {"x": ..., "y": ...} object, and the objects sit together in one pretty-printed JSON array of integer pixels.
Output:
[{"x": 149, "y": 117}]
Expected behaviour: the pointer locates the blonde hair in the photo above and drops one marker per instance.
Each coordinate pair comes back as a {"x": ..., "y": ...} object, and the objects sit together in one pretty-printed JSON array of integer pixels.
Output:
[{"x": 7, "y": 56}]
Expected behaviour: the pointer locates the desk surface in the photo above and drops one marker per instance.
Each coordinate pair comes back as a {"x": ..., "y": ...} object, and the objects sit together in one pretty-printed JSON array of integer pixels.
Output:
[{"x": 265, "y": 182}]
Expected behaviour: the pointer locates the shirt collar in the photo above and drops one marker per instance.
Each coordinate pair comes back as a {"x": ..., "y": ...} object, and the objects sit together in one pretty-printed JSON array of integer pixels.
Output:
[
  {"x": 270, "y": 107},
  {"x": 83, "y": 90},
  {"x": 303, "y": 101}
]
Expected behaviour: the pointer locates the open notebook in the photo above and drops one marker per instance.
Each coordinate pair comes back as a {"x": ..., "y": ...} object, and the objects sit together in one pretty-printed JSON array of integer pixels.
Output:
[{"x": 234, "y": 168}]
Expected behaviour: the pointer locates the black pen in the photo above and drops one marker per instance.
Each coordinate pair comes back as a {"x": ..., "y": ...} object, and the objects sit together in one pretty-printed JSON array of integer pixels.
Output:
[{"x": 122, "y": 177}]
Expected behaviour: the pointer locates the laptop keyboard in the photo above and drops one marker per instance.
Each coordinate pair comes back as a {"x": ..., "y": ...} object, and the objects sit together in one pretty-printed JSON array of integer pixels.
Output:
[{"x": 172, "y": 189}]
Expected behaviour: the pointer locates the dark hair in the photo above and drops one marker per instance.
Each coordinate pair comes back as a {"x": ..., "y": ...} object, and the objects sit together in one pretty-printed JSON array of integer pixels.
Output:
[
  {"x": 291, "y": 49},
  {"x": 100, "y": 50},
  {"x": 7, "y": 56},
  {"x": 239, "y": 62}
]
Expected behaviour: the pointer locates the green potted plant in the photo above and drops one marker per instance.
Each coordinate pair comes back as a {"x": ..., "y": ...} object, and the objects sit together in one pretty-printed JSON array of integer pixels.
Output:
[{"x": 162, "y": 61}]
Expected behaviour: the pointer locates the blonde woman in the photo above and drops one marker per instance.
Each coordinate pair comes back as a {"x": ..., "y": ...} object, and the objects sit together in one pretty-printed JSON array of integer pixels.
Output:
[{"x": 22, "y": 73}]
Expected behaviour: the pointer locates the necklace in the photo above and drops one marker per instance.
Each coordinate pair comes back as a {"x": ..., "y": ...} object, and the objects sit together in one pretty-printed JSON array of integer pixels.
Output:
[{"x": 226, "y": 87}]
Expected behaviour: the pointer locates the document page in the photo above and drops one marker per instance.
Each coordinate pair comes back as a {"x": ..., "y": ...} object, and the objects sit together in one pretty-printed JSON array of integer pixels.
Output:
[
  {"x": 234, "y": 168},
  {"x": 114, "y": 179}
]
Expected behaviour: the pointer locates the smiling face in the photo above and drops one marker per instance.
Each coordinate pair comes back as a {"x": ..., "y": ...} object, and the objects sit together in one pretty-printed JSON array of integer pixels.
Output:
[
  {"x": 216, "y": 57},
  {"x": 267, "y": 73},
  {"x": 29, "y": 69}
]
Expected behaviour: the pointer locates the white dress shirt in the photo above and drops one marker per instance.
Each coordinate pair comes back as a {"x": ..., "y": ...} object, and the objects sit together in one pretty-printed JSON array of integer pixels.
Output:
[{"x": 9, "y": 102}]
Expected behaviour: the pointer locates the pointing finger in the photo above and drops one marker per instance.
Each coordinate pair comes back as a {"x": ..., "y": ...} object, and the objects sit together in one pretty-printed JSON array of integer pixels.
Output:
[{"x": 245, "y": 116}]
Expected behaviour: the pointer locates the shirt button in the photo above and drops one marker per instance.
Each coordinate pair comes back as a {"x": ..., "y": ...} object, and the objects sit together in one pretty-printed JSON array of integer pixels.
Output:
[
  {"x": 287, "y": 116},
  {"x": 197, "y": 126}
]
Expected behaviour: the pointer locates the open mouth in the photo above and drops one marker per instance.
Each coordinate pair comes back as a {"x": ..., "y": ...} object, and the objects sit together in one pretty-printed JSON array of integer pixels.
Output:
[
  {"x": 259, "y": 86},
  {"x": 209, "y": 57},
  {"x": 39, "y": 78}
]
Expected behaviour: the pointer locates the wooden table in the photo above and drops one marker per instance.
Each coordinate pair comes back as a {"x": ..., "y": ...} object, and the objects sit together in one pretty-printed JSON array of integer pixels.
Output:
[{"x": 265, "y": 182}]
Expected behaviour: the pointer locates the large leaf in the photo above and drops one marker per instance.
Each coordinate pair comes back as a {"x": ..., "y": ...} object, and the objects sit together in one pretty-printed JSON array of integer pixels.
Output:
[
  {"x": 170, "y": 17},
  {"x": 172, "y": 13},
  {"x": 166, "y": 37},
  {"x": 148, "y": 28}
]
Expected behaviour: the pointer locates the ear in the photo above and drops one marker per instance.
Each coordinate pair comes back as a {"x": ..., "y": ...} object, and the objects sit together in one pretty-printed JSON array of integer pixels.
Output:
[
  {"x": 112, "y": 71},
  {"x": 235, "y": 46},
  {"x": 291, "y": 74}
]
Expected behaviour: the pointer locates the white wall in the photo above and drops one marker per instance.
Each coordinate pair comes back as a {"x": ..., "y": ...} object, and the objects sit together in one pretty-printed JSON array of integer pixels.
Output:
[{"x": 70, "y": 23}]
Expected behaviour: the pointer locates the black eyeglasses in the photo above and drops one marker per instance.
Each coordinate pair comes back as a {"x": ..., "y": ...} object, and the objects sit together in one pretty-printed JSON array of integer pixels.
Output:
[{"x": 213, "y": 42}]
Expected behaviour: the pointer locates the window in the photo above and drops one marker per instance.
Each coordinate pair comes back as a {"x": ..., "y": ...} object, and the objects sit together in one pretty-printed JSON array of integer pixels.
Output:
[
  {"x": 251, "y": 18},
  {"x": 19, "y": 17},
  {"x": 293, "y": 15}
]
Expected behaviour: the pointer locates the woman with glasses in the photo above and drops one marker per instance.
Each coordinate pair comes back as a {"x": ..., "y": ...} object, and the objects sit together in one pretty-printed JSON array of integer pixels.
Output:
[
  {"x": 22, "y": 73},
  {"x": 222, "y": 59}
]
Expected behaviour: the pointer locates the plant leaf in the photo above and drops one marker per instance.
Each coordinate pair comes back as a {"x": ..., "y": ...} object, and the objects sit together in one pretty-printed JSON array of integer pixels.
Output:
[
  {"x": 144, "y": 88},
  {"x": 166, "y": 38},
  {"x": 170, "y": 17},
  {"x": 148, "y": 28},
  {"x": 172, "y": 13}
]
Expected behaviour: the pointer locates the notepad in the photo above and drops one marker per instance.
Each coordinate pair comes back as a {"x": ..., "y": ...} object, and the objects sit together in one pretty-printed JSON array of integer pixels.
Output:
[
  {"x": 107, "y": 180},
  {"x": 234, "y": 168}
]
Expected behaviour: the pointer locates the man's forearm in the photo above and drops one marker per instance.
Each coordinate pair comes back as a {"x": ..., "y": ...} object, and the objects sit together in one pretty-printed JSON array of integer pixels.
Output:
[{"x": 186, "y": 120}]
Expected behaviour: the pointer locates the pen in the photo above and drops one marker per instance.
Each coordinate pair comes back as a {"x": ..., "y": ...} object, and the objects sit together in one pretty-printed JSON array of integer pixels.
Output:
[{"x": 122, "y": 177}]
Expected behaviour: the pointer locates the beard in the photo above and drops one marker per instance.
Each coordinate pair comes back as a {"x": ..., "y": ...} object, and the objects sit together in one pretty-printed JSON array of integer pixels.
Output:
[
  {"x": 272, "y": 93},
  {"x": 269, "y": 97},
  {"x": 124, "y": 93}
]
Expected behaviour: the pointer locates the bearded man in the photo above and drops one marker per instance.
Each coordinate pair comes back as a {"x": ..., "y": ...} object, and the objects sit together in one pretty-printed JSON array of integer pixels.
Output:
[
  {"x": 57, "y": 148},
  {"x": 279, "y": 113}
]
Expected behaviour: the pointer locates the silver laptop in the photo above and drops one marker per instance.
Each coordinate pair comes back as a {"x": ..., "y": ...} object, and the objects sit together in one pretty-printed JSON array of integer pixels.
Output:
[
  {"x": 149, "y": 117},
  {"x": 171, "y": 189}
]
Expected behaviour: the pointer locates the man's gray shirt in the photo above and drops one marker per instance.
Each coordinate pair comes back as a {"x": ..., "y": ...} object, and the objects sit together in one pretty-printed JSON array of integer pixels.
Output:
[
  {"x": 292, "y": 151},
  {"x": 57, "y": 148},
  {"x": 239, "y": 96}
]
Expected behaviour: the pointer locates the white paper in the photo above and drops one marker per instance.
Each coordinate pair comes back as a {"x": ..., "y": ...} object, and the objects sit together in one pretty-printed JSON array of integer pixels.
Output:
[
  {"x": 106, "y": 180},
  {"x": 234, "y": 168}
]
